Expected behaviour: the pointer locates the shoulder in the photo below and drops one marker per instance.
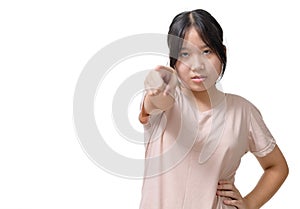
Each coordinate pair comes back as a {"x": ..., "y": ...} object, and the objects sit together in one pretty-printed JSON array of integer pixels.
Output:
[{"x": 239, "y": 102}]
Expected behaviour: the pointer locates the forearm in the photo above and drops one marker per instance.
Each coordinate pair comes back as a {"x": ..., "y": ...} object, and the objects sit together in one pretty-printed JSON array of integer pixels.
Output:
[
  {"x": 151, "y": 104},
  {"x": 160, "y": 85},
  {"x": 267, "y": 186}
]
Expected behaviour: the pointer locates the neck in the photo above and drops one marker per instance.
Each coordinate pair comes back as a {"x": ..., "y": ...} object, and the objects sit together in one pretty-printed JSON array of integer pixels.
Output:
[{"x": 208, "y": 99}]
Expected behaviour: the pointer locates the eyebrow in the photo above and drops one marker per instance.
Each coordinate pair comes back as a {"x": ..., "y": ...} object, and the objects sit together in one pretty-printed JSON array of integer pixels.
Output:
[{"x": 201, "y": 47}]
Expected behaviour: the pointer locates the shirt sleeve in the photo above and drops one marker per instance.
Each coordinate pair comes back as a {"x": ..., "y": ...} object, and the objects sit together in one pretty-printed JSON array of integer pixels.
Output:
[{"x": 261, "y": 141}]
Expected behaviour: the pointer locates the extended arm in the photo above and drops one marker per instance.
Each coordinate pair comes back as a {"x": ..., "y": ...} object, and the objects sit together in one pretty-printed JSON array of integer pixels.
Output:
[{"x": 160, "y": 85}]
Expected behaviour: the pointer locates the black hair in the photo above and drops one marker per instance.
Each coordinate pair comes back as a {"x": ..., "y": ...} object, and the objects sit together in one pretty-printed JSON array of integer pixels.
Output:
[{"x": 208, "y": 29}]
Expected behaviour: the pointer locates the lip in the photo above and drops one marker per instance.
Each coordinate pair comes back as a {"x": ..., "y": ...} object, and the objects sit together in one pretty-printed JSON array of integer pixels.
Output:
[{"x": 198, "y": 78}]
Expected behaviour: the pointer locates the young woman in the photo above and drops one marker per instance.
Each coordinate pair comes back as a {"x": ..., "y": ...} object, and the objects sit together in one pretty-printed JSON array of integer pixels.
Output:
[{"x": 196, "y": 134}]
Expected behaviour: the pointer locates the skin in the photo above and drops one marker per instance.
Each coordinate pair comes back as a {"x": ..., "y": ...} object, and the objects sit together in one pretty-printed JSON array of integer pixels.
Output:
[
  {"x": 275, "y": 172},
  {"x": 198, "y": 69},
  {"x": 197, "y": 59}
]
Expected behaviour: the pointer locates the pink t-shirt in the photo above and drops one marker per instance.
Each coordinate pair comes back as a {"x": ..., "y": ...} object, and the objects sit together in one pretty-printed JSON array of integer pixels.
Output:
[{"x": 188, "y": 151}]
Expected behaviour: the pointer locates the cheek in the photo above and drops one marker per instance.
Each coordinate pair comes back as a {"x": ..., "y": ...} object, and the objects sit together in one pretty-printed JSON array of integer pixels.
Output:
[
  {"x": 182, "y": 70},
  {"x": 215, "y": 67},
  {"x": 218, "y": 65}
]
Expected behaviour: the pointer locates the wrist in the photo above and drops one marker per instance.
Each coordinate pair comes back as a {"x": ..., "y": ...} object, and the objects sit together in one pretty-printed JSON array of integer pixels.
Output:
[{"x": 250, "y": 204}]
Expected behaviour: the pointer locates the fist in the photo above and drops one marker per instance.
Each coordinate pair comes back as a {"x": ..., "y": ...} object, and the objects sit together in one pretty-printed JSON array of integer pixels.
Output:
[{"x": 161, "y": 80}]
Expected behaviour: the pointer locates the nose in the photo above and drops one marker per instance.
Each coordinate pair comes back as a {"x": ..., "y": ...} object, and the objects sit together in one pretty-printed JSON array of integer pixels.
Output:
[{"x": 197, "y": 64}]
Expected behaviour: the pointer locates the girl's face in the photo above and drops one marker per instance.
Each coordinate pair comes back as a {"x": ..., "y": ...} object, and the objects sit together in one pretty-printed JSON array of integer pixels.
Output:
[{"x": 198, "y": 67}]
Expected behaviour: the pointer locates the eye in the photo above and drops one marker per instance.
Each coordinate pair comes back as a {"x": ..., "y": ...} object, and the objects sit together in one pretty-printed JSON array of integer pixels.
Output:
[
  {"x": 183, "y": 54},
  {"x": 207, "y": 52}
]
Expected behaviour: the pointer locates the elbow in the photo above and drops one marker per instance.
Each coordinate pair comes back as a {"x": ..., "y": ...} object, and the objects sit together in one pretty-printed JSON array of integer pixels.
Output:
[
  {"x": 278, "y": 164},
  {"x": 282, "y": 170},
  {"x": 285, "y": 170}
]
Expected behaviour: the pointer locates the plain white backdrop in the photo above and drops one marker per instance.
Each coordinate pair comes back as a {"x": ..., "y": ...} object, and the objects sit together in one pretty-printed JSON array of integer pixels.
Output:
[{"x": 44, "y": 46}]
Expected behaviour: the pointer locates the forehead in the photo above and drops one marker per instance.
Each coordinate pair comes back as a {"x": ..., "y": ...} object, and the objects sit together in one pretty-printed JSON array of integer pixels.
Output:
[{"x": 193, "y": 40}]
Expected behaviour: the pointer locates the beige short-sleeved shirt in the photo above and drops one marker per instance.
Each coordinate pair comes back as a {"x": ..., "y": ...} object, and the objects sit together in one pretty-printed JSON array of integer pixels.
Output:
[{"x": 188, "y": 152}]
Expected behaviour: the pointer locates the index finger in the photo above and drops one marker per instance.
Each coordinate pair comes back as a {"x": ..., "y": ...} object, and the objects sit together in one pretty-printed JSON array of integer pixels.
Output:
[
  {"x": 161, "y": 67},
  {"x": 225, "y": 182}
]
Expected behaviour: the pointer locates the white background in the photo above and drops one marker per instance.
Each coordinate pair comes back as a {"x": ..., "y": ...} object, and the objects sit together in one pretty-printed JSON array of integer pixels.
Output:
[{"x": 45, "y": 45}]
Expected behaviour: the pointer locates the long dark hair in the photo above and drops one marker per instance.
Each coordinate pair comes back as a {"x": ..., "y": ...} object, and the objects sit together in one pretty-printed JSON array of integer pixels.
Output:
[{"x": 208, "y": 29}]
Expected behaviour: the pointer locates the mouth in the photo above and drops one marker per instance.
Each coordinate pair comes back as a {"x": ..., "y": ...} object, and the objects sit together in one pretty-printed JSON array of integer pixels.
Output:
[{"x": 198, "y": 78}]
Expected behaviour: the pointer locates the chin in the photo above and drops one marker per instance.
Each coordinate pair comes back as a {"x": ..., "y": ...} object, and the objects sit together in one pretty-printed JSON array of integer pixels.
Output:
[{"x": 197, "y": 89}]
